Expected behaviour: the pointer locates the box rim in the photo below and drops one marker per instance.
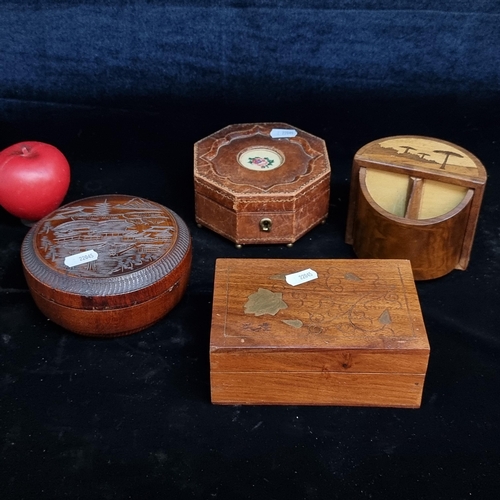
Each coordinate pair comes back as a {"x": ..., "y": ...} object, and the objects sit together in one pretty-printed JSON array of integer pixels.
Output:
[{"x": 123, "y": 289}]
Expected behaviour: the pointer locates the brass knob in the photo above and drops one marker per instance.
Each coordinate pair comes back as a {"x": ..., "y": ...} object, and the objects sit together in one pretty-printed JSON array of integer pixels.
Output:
[{"x": 265, "y": 224}]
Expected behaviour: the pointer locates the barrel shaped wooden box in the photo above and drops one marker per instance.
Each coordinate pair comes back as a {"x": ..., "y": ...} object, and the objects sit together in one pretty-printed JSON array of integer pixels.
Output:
[
  {"x": 107, "y": 265},
  {"x": 261, "y": 183},
  {"x": 415, "y": 198},
  {"x": 353, "y": 335}
]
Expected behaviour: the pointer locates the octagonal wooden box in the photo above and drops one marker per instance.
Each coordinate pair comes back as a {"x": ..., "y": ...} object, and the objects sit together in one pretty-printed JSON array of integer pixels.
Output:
[
  {"x": 107, "y": 265},
  {"x": 261, "y": 183},
  {"x": 354, "y": 335}
]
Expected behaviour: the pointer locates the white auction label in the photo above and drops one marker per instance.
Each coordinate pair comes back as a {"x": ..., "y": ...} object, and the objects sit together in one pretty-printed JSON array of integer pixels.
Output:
[
  {"x": 80, "y": 258},
  {"x": 278, "y": 133},
  {"x": 301, "y": 277}
]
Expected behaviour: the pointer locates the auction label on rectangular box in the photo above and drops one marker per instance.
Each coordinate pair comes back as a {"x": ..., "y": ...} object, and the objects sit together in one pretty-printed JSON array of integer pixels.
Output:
[{"x": 301, "y": 277}]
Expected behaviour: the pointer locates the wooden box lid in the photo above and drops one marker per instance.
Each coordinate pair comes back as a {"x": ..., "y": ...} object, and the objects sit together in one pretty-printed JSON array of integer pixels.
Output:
[
  {"x": 354, "y": 335},
  {"x": 107, "y": 265},
  {"x": 246, "y": 160}
]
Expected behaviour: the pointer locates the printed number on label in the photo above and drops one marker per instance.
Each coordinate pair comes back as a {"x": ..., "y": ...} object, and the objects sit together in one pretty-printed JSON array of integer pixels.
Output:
[
  {"x": 301, "y": 277},
  {"x": 80, "y": 258},
  {"x": 278, "y": 133}
]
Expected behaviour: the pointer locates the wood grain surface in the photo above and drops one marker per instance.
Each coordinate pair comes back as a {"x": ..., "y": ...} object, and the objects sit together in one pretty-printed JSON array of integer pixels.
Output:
[
  {"x": 355, "y": 330},
  {"x": 415, "y": 198},
  {"x": 140, "y": 270}
]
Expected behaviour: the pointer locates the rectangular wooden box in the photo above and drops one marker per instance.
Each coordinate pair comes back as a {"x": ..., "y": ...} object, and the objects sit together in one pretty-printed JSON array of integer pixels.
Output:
[{"x": 352, "y": 336}]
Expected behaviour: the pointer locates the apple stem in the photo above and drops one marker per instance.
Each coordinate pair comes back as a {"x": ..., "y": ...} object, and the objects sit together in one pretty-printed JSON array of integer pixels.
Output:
[{"x": 25, "y": 150}]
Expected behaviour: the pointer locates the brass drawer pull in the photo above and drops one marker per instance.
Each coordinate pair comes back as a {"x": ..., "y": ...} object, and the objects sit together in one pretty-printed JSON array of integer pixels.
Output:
[{"x": 265, "y": 224}]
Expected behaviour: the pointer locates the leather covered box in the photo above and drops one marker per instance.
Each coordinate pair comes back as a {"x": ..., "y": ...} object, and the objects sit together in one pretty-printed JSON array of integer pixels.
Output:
[
  {"x": 107, "y": 265},
  {"x": 317, "y": 332},
  {"x": 261, "y": 183}
]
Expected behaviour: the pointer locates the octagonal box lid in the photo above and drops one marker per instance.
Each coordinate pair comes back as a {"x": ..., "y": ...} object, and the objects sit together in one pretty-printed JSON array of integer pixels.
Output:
[
  {"x": 107, "y": 265},
  {"x": 261, "y": 182}
]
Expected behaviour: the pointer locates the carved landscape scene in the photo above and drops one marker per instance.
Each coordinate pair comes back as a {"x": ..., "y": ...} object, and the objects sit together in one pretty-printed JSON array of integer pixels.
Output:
[{"x": 126, "y": 236}]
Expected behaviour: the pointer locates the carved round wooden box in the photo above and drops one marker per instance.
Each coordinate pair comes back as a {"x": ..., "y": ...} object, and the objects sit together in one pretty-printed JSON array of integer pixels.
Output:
[
  {"x": 107, "y": 265},
  {"x": 415, "y": 198}
]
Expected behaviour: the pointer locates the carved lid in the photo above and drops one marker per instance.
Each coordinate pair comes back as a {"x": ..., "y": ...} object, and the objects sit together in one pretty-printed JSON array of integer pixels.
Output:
[
  {"x": 112, "y": 245},
  {"x": 260, "y": 159}
]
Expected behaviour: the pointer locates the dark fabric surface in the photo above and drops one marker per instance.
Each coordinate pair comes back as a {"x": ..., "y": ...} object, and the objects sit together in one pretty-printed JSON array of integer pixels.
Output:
[
  {"x": 146, "y": 52},
  {"x": 125, "y": 98}
]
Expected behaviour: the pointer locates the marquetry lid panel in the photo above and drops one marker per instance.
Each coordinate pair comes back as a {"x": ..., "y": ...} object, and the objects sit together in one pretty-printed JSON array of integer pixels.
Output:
[{"x": 429, "y": 157}]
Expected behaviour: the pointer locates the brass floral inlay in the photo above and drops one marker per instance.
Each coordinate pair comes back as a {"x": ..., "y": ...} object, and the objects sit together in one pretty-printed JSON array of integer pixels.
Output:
[
  {"x": 265, "y": 302},
  {"x": 296, "y": 323}
]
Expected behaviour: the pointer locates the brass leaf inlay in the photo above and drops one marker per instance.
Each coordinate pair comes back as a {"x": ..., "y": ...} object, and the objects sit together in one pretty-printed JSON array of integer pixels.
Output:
[
  {"x": 352, "y": 277},
  {"x": 385, "y": 317},
  {"x": 296, "y": 323},
  {"x": 281, "y": 277},
  {"x": 265, "y": 302}
]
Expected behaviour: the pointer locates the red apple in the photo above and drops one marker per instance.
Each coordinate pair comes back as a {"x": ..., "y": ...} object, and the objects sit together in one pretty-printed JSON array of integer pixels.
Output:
[{"x": 34, "y": 179}]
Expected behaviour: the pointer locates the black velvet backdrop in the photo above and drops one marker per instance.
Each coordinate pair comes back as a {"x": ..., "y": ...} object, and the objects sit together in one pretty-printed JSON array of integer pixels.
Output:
[{"x": 124, "y": 89}]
